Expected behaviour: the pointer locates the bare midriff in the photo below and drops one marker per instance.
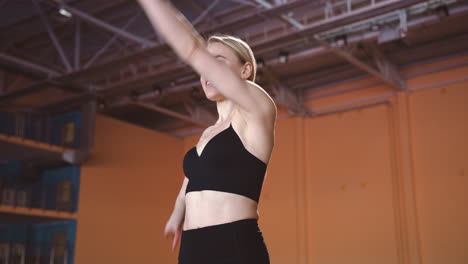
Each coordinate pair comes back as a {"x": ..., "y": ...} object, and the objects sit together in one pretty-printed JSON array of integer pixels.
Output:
[{"x": 207, "y": 208}]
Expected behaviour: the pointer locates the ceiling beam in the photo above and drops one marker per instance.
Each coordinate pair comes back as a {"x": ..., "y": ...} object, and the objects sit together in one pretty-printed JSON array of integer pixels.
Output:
[
  {"x": 53, "y": 37},
  {"x": 335, "y": 22},
  {"x": 108, "y": 27},
  {"x": 261, "y": 46},
  {"x": 29, "y": 69},
  {"x": 286, "y": 18},
  {"x": 110, "y": 41},
  {"x": 204, "y": 13},
  {"x": 244, "y": 2},
  {"x": 388, "y": 70},
  {"x": 292, "y": 100},
  {"x": 175, "y": 114},
  {"x": 163, "y": 48},
  {"x": 61, "y": 27},
  {"x": 387, "y": 73},
  {"x": 124, "y": 61},
  {"x": 391, "y": 78},
  {"x": 40, "y": 85}
]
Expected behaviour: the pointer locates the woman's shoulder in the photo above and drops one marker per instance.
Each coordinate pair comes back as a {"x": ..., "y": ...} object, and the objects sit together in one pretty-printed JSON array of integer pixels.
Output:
[{"x": 265, "y": 102}]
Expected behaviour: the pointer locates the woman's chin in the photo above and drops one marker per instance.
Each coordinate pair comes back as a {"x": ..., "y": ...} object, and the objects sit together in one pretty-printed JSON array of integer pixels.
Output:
[{"x": 214, "y": 97}]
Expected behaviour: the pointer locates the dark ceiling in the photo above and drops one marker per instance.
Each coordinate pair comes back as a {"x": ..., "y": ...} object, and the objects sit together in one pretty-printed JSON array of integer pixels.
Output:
[{"x": 107, "y": 51}]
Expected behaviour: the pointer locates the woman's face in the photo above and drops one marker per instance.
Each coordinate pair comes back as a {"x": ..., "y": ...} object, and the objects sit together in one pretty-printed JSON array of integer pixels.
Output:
[{"x": 226, "y": 55}]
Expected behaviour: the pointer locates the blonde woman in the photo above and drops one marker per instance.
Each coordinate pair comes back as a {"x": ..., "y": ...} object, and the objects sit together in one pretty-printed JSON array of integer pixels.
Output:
[{"x": 215, "y": 214}]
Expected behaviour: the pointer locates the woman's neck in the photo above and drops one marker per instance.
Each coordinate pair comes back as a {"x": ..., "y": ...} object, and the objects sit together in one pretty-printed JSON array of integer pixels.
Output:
[{"x": 225, "y": 110}]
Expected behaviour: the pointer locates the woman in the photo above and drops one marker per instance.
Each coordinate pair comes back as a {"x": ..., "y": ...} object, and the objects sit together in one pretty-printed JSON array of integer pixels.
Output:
[{"x": 215, "y": 213}]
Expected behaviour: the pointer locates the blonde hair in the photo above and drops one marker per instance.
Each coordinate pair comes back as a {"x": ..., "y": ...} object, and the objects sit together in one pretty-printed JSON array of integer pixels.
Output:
[{"x": 240, "y": 48}]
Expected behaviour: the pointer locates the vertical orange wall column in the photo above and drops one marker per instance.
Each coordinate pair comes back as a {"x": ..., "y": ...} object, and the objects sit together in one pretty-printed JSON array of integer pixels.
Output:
[
  {"x": 350, "y": 185},
  {"x": 439, "y": 134},
  {"x": 127, "y": 192}
]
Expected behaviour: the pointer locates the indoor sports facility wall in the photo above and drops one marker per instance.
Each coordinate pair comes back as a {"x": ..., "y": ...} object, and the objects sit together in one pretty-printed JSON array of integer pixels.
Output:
[{"x": 378, "y": 176}]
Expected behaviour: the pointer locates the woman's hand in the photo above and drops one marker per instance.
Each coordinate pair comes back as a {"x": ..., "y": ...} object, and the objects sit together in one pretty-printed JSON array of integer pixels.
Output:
[
  {"x": 174, "y": 224},
  {"x": 173, "y": 229}
]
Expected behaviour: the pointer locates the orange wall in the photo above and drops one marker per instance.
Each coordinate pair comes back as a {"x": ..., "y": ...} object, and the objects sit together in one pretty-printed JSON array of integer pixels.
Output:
[
  {"x": 127, "y": 191},
  {"x": 349, "y": 190},
  {"x": 384, "y": 183},
  {"x": 439, "y": 132}
]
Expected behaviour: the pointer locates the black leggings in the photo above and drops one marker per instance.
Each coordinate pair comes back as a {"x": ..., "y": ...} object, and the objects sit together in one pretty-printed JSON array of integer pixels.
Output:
[{"x": 239, "y": 242}]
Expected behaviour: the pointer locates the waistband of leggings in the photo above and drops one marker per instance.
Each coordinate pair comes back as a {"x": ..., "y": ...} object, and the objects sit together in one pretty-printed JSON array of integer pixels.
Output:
[{"x": 242, "y": 222}]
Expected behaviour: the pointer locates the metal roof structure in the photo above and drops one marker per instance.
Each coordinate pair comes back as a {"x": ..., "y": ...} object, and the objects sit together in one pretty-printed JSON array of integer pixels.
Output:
[{"x": 57, "y": 55}]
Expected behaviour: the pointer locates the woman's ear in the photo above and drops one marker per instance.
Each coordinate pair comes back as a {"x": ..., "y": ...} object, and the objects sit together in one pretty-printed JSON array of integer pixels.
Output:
[{"x": 246, "y": 71}]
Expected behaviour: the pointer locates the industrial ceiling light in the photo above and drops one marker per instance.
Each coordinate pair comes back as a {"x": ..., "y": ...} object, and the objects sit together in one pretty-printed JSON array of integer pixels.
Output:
[
  {"x": 402, "y": 33},
  {"x": 64, "y": 12},
  {"x": 283, "y": 56},
  {"x": 341, "y": 41}
]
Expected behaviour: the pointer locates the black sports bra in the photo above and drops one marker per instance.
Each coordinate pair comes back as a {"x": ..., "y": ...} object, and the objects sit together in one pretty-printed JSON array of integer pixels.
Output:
[{"x": 225, "y": 165}]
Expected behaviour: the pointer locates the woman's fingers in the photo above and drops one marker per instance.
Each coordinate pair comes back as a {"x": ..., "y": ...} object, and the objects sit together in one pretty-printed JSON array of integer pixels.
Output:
[
  {"x": 175, "y": 234},
  {"x": 176, "y": 239}
]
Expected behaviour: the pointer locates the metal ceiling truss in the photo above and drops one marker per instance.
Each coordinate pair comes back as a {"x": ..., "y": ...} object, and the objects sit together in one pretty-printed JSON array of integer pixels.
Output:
[
  {"x": 347, "y": 20},
  {"x": 22, "y": 38},
  {"x": 396, "y": 17},
  {"x": 205, "y": 13},
  {"x": 113, "y": 64},
  {"x": 197, "y": 115},
  {"x": 192, "y": 118},
  {"x": 29, "y": 69},
  {"x": 386, "y": 71},
  {"x": 292, "y": 100},
  {"x": 52, "y": 36},
  {"x": 111, "y": 41},
  {"x": 293, "y": 32},
  {"x": 108, "y": 27}
]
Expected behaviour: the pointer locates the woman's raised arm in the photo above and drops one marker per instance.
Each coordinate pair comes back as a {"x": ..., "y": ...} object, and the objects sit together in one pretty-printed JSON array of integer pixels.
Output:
[{"x": 191, "y": 48}]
